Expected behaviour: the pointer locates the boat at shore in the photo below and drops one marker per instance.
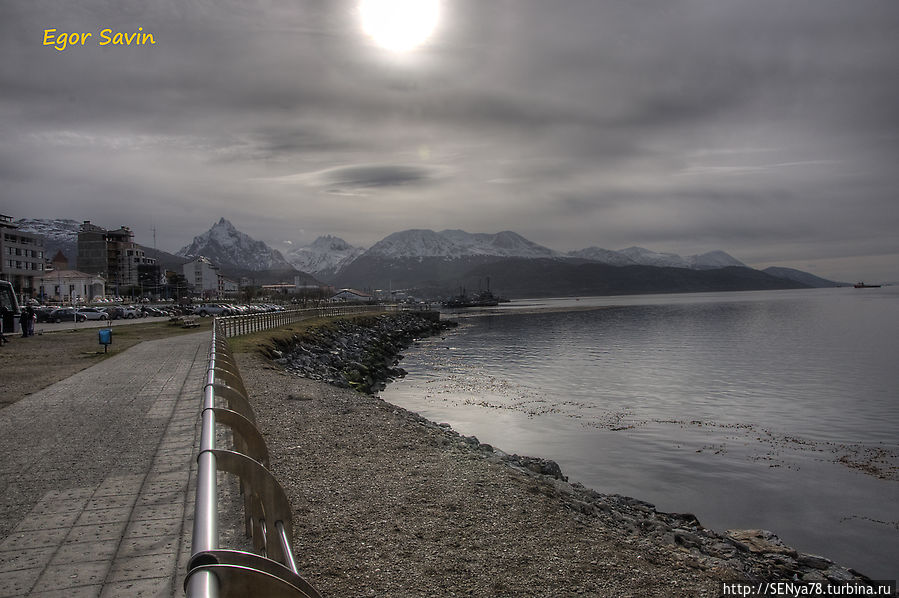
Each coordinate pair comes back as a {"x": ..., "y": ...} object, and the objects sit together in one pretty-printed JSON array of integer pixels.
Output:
[
  {"x": 861, "y": 285},
  {"x": 481, "y": 299}
]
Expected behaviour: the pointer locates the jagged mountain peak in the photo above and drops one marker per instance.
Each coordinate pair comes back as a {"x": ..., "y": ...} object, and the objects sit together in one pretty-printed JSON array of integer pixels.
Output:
[{"x": 228, "y": 247}]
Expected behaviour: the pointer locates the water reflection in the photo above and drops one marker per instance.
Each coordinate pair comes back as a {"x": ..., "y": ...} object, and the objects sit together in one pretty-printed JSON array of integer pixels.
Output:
[{"x": 771, "y": 410}]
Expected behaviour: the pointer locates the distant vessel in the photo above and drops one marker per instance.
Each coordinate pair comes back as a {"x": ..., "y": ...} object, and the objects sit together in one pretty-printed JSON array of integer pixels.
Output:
[
  {"x": 482, "y": 299},
  {"x": 861, "y": 285},
  {"x": 479, "y": 299}
]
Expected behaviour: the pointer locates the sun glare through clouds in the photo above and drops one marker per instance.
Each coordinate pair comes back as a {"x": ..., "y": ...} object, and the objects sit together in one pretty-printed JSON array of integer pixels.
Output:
[{"x": 399, "y": 25}]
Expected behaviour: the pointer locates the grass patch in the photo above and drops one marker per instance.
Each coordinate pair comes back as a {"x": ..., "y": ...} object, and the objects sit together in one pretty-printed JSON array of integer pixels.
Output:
[{"x": 30, "y": 364}]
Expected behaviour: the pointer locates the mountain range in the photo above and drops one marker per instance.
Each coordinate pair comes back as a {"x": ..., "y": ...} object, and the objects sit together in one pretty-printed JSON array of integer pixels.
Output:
[{"x": 438, "y": 263}]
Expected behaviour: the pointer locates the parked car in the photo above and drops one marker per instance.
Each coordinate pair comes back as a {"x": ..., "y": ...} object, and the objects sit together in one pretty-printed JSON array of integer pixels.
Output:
[
  {"x": 94, "y": 313},
  {"x": 66, "y": 314},
  {"x": 43, "y": 313},
  {"x": 211, "y": 309},
  {"x": 114, "y": 312},
  {"x": 129, "y": 312}
]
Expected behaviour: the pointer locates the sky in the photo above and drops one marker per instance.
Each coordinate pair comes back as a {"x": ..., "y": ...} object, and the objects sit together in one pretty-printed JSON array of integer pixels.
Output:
[{"x": 765, "y": 128}]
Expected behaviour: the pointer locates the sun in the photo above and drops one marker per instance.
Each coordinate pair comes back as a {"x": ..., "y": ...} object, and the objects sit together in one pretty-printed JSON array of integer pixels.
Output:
[{"x": 399, "y": 25}]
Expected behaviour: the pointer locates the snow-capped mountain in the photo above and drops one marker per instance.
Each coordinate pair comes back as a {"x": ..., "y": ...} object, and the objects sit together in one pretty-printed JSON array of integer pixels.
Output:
[
  {"x": 453, "y": 244},
  {"x": 503, "y": 244},
  {"x": 324, "y": 256},
  {"x": 58, "y": 234},
  {"x": 415, "y": 243},
  {"x": 640, "y": 256},
  {"x": 58, "y": 229},
  {"x": 229, "y": 248}
]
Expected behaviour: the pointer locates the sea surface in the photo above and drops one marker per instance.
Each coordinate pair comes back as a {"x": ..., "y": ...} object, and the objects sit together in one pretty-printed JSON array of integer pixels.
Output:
[{"x": 776, "y": 410}]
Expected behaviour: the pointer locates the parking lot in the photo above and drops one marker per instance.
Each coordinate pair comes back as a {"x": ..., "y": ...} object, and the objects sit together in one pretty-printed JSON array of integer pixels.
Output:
[{"x": 42, "y": 327}]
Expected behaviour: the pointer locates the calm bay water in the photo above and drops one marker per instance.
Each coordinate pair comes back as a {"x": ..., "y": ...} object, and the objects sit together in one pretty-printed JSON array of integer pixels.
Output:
[{"x": 775, "y": 410}]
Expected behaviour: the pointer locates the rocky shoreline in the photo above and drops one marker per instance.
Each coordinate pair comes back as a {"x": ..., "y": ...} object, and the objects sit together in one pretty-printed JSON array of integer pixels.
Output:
[
  {"x": 362, "y": 353},
  {"x": 349, "y": 460}
]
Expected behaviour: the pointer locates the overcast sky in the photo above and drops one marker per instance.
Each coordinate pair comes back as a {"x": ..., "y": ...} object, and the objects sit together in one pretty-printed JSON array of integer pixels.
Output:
[{"x": 766, "y": 128}]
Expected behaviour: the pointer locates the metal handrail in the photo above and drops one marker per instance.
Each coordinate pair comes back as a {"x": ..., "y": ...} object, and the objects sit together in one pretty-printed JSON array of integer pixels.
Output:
[
  {"x": 250, "y": 323},
  {"x": 213, "y": 572}
]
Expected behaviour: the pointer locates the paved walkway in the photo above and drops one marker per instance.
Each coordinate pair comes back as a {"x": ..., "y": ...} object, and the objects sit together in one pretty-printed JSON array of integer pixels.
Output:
[{"x": 97, "y": 473}]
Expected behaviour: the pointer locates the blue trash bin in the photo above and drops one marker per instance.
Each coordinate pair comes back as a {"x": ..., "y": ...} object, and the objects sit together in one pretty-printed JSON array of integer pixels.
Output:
[{"x": 105, "y": 338}]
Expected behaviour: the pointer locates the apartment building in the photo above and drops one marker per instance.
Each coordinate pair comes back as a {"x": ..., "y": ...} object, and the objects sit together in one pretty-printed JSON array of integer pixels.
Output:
[
  {"x": 207, "y": 279},
  {"x": 114, "y": 255},
  {"x": 21, "y": 257}
]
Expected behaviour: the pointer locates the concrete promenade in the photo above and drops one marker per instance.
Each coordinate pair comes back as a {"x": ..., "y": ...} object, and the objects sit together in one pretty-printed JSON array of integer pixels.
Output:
[{"x": 97, "y": 474}]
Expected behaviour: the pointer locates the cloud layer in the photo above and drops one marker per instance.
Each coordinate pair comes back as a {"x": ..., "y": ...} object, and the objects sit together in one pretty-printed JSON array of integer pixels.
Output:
[{"x": 766, "y": 128}]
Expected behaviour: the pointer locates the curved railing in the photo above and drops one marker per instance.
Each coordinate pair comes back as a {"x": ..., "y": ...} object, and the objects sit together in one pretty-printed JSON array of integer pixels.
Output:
[{"x": 213, "y": 571}]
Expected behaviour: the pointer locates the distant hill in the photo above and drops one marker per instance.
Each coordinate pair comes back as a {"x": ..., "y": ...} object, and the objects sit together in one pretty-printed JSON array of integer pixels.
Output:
[
  {"x": 804, "y": 277},
  {"x": 431, "y": 276},
  {"x": 166, "y": 260},
  {"x": 640, "y": 256},
  {"x": 544, "y": 278},
  {"x": 439, "y": 263}
]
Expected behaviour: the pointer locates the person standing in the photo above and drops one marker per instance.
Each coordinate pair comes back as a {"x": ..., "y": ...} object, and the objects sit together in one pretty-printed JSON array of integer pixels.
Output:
[
  {"x": 27, "y": 321},
  {"x": 31, "y": 320}
]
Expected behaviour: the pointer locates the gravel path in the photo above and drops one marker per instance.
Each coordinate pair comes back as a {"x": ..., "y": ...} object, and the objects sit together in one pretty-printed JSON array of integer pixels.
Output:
[{"x": 389, "y": 504}]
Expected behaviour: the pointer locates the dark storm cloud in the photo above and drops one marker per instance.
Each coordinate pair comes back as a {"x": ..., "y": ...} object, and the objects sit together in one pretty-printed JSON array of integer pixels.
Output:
[
  {"x": 376, "y": 175},
  {"x": 748, "y": 126}
]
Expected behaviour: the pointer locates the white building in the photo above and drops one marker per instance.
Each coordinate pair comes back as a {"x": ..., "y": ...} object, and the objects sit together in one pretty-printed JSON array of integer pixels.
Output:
[
  {"x": 68, "y": 285},
  {"x": 207, "y": 279},
  {"x": 227, "y": 286},
  {"x": 202, "y": 274},
  {"x": 352, "y": 295}
]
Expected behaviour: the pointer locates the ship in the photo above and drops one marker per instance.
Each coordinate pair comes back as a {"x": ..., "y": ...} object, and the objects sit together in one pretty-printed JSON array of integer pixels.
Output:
[
  {"x": 481, "y": 299},
  {"x": 861, "y": 285}
]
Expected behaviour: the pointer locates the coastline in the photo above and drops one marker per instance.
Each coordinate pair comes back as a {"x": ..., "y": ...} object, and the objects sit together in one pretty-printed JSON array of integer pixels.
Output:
[{"x": 388, "y": 503}]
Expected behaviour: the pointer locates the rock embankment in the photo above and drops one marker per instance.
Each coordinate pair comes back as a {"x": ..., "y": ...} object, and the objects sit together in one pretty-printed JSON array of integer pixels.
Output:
[{"x": 362, "y": 353}]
